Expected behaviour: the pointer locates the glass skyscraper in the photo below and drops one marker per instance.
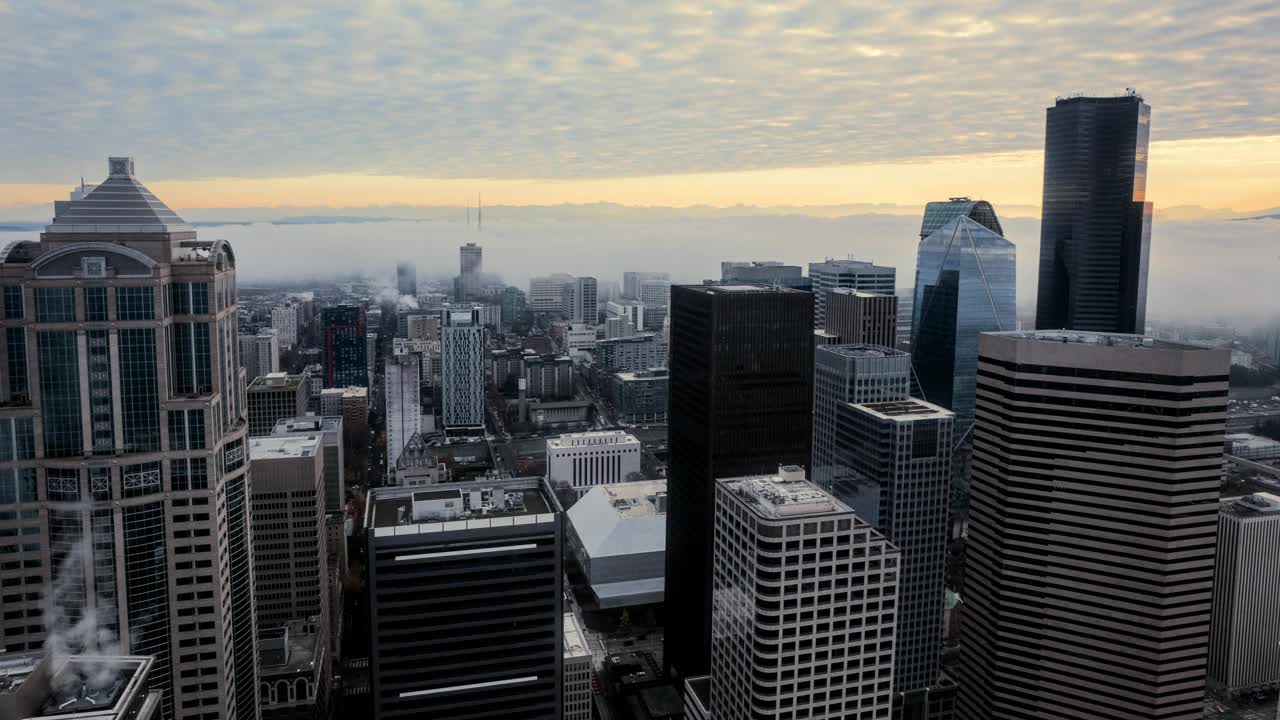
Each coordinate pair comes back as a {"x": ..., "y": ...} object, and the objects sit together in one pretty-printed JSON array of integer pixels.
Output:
[
  {"x": 345, "y": 349},
  {"x": 965, "y": 285},
  {"x": 1095, "y": 225}
]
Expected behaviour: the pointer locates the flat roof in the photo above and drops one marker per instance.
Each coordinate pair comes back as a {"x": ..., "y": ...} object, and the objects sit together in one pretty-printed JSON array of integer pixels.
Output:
[
  {"x": 1251, "y": 441},
  {"x": 862, "y": 351},
  {"x": 1080, "y": 337},
  {"x": 909, "y": 409},
  {"x": 743, "y": 288},
  {"x": 293, "y": 445},
  {"x": 1253, "y": 505},
  {"x": 858, "y": 293},
  {"x": 783, "y": 496},
  {"x": 276, "y": 382},
  {"x": 583, "y": 439},
  {"x": 575, "y": 640},
  {"x": 388, "y": 507},
  {"x": 307, "y": 423},
  {"x": 650, "y": 374}
]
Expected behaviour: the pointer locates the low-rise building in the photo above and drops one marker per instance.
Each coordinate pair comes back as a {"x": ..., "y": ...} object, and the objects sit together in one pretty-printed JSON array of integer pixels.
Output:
[
  {"x": 547, "y": 377},
  {"x": 638, "y": 352},
  {"x": 273, "y": 397},
  {"x": 640, "y": 396},
  {"x": 293, "y": 672},
  {"x": 77, "y": 687},
  {"x": 618, "y": 536},
  {"x": 584, "y": 460}
]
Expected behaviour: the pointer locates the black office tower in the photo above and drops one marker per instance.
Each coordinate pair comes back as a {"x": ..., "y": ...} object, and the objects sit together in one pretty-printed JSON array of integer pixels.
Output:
[
  {"x": 344, "y": 346},
  {"x": 741, "y": 403},
  {"x": 1095, "y": 227}
]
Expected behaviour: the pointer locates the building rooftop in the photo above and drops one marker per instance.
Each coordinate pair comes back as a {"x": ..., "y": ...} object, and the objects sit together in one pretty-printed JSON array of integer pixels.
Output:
[
  {"x": 850, "y": 265},
  {"x": 861, "y": 351},
  {"x": 475, "y": 505},
  {"x": 650, "y": 374},
  {"x": 937, "y": 214},
  {"x": 294, "y": 445},
  {"x": 1257, "y": 504},
  {"x": 784, "y": 495},
  {"x": 575, "y": 640},
  {"x": 742, "y": 288},
  {"x": 307, "y": 423},
  {"x": 1249, "y": 441},
  {"x": 1078, "y": 337},
  {"x": 909, "y": 409},
  {"x": 287, "y": 649},
  {"x": 858, "y": 293},
  {"x": 119, "y": 204},
  {"x": 622, "y": 518},
  {"x": 37, "y": 685},
  {"x": 596, "y": 437},
  {"x": 275, "y": 382},
  {"x": 353, "y": 391}
]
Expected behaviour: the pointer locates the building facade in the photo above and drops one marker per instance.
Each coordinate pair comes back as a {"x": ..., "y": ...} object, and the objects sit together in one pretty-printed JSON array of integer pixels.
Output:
[
  {"x": 403, "y": 401},
  {"x": 580, "y": 299},
  {"x": 584, "y": 460},
  {"x": 579, "y": 339},
  {"x": 1095, "y": 225},
  {"x": 741, "y": 403},
  {"x": 858, "y": 317},
  {"x": 840, "y": 664},
  {"x": 515, "y": 308},
  {"x": 1096, "y": 463},
  {"x": 260, "y": 354},
  {"x": 856, "y": 274},
  {"x": 631, "y": 282},
  {"x": 407, "y": 279},
  {"x": 638, "y": 352},
  {"x": 655, "y": 293},
  {"x": 546, "y": 293},
  {"x": 284, "y": 320},
  {"x": 547, "y": 377},
  {"x": 577, "y": 671},
  {"x": 939, "y": 213},
  {"x": 124, "y": 482},
  {"x": 1244, "y": 640},
  {"x": 274, "y": 397},
  {"x": 345, "y": 352},
  {"x": 470, "y": 265},
  {"x": 850, "y": 374},
  {"x": 462, "y": 370},
  {"x": 640, "y": 396}
]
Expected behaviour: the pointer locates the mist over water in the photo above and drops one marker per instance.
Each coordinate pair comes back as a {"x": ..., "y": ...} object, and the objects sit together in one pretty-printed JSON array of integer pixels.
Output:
[{"x": 1204, "y": 270}]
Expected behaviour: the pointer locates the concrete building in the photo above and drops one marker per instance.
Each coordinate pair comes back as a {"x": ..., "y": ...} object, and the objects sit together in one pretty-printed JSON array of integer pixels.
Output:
[
  {"x": 546, "y": 293},
  {"x": 616, "y": 327},
  {"x": 274, "y": 397},
  {"x": 352, "y": 405},
  {"x": 403, "y": 402},
  {"x": 125, "y": 419},
  {"x": 770, "y": 273},
  {"x": 655, "y": 293},
  {"x": 371, "y": 356},
  {"x": 407, "y": 279},
  {"x": 294, "y": 672},
  {"x": 465, "y": 581},
  {"x": 577, "y": 671},
  {"x": 260, "y": 354},
  {"x": 284, "y": 320},
  {"x": 1097, "y": 461},
  {"x": 547, "y": 377},
  {"x": 77, "y": 687},
  {"x": 470, "y": 265},
  {"x": 697, "y": 698},
  {"x": 416, "y": 466},
  {"x": 462, "y": 371},
  {"x": 579, "y": 339},
  {"x": 858, "y": 317},
  {"x": 584, "y": 460},
  {"x": 850, "y": 374},
  {"x": 330, "y": 430},
  {"x": 631, "y": 282},
  {"x": 290, "y": 554},
  {"x": 856, "y": 274},
  {"x": 838, "y": 664},
  {"x": 580, "y": 300},
  {"x": 618, "y": 535},
  {"x": 344, "y": 346},
  {"x": 893, "y": 467},
  {"x": 640, "y": 396},
  {"x": 631, "y": 311},
  {"x": 1253, "y": 447},
  {"x": 1244, "y": 647},
  {"x": 422, "y": 327},
  {"x": 506, "y": 367},
  {"x": 487, "y": 314},
  {"x": 638, "y": 352}
]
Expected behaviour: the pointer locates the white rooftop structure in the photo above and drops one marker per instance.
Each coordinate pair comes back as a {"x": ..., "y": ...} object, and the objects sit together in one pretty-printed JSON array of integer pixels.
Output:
[
  {"x": 784, "y": 495},
  {"x": 619, "y": 536},
  {"x": 284, "y": 446}
]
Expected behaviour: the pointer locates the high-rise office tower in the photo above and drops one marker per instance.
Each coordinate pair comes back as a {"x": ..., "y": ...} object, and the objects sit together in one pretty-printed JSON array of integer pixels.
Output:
[
  {"x": 274, "y": 397},
  {"x": 655, "y": 293},
  {"x": 941, "y": 212},
  {"x": 585, "y": 301},
  {"x": 124, "y": 487},
  {"x": 515, "y": 308},
  {"x": 344, "y": 348},
  {"x": 407, "y": 279},
  {"x": 1095, "y": 221},
  {"x": 855, "y": 274},
  {"x": 840, "y": 603},
  {"x": 470, "y": 263},
  {"x": 260, "y": 354},
  {"x": 631, "y": 282},
  {"x": 741, "y": 404},
  {"x": 965, "y": 285},
  {"x": 1244, "y": 640},
  {"x": 546, "y": 293},
  {"x": 465, "y": 601},
  {"x": 284, "y": 319},
  {"x": 858, "y": 317},
  {"x": 850, "y": 374},
  {"x": 462, "y": 370},
  {"x": 1094, "y": 507},
  {"x": 894, "y": 470},
  {"x": 403, "y": 401}
]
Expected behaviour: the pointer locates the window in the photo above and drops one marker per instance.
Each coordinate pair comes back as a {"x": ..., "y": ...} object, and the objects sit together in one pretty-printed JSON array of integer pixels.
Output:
[
  {"x": 56, "y": 304},
  {"x": 13, "y": 303},
  {"x": 189, "y": 474},
  {"x": 140, "y": 479},
  {"x": 100, "y": 483},
  {"x": 139, "y": 391},
  {"x": 186, "y": 429},
  {"x": 62, "y": 484},
  {"x": 16, "y": 348},
  {"x": 60, "y": 392},
  {"x": 135, "y": 303},
  {"x": 95, "y": 304},
  {"x": 190, "y": 359},
  {"x": 233, "y": 455},
  {"x": 17, "y": 441},
  {"x": 189, "y": 298},
  {"x": 17, "y": 485}
]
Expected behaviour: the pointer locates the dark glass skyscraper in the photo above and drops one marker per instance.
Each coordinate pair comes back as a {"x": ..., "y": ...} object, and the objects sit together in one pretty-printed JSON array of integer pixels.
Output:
[
  {"x": 344, "y": 346},
  {"x": 1095, "y": 227},
  {"x": 741, "y": 404}
]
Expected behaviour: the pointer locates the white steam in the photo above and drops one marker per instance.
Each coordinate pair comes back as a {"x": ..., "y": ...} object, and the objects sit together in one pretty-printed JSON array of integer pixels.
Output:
[{"x": 77, "y": 627}]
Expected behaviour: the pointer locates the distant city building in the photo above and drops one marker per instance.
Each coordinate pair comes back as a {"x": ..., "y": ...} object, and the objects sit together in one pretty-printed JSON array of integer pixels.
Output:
[
  {"x": 70, "y": 687},
  {"x": 638, "y": 352},
  {"x": 584, "y": 460},
  {"x": 284, "y": 319},
  {"x": 260, "y": 353},
  {"x": 893, "y": 468},
  {"x": 485, "y": 314},
  {"x": 578, "y": 694},
  {"x": 547, "y": 377},
  {"x": 1097, "y": 461},
  {"x": 352, "y": 405},
  {"x": 580, "y": 299},
  {"x": 274, "y": 397},
  {"x": 416, "y": 465},
  {"x": 469, "y": 659},
  {"x": 402, "y": 379},
  {"x": 462, "y": 370},
  {"x": 1247, "y": 446},
  {"x": 965, "y": 285},
  {"x": 1095, "y": 224},
  {"x": 616, "y": 327},
  {"x": 470, "y": 264},
  {"x": 125, "y": 481},
  {"x": 515, "y": 308},
  {"x": 506, "y": 368},
  {"x": 579, "y": 339},
  {"x": 640, "y": 396},
  {"x": 850, "y": 374},
  {"x": 631, "y": 311},
  {"x": 764, "y": 272},
  {"x": 632, "y": 282},
  {"x": 1244, "y": 649},
  {"x": 857, "y": 317},
  {"x": 655, "y": 293},
  {"x": 371, "y": 355},
  {"x": 741, "y": 404},
  {"x": 546, "y": 294},
  {"x": 618, "y": 535},
  {"x": 856, "y": 274},
  {"x": 330, "y": 430},
  {"x": 407, "y": 279},
  {"x": 854, "y": 610},
  {"x": 344, "y": 346},
  {"x": 295, "y": 671}
]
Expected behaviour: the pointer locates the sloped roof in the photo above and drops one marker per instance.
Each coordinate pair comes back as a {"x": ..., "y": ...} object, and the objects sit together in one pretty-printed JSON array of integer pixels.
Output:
[
  {"x": 118, "y": 204},
  {"x": 937, "y": 214},
  {"x": 416, "y": 453},
  {"x": 609, "y": 524}
]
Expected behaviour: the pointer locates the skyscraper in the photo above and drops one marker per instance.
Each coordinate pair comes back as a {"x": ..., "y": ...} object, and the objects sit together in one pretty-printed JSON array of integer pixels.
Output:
[
  {"x": 515, "y": 308},
  {"x": 741, "y": 404},
  {"x": 965, "y": 285},
  {"x": 462, "y": 370},
  {"x": 579, "y": 300},
  {"x": 857, "y": 317},
  {"x": 407, "y": 279},
  {"x": 345, "y": 346},
  {"x": 125, "y": 488},
  {"x": 893, "y": 468},
  {"x": 403, "y": 401},
  {"x": 850, "y": 374},
  {"x": 655, "y": 293},
  {"x": 852, "y": 611},
  {"x": 1095, "y": 222},
  {"x": 260, "y": 354},
  {"x": 546, "y": 293},
  {"x": 1244, "y": 647},
  {"x": 856, "y": 274},
  {"x": 941, "y": 212},
  {"x": 470, "y": 263},
  {"x": 1096, "y": 465},
  {"x": 274, "y": 397}
]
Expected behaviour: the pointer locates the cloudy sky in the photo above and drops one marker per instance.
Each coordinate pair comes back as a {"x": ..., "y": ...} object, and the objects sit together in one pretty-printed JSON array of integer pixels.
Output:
[{"x": 661, "y": 102}]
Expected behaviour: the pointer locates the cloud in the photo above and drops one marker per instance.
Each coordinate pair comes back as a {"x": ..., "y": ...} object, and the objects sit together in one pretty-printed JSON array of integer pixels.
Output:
[{"x": 566, "y": 89}]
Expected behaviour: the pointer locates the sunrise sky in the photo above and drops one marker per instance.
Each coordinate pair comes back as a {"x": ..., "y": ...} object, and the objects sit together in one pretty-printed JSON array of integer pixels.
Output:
[{"x": 666, "y": 102}]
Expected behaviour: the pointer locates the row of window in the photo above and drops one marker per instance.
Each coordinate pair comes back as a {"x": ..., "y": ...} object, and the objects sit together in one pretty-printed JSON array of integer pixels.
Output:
[{"x": 58, "y": 304}]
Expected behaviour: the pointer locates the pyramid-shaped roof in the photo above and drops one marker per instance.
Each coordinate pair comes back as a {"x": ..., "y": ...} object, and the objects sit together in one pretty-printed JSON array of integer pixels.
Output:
[
  {"x": 119, "y": 204},
  {"x": 416, "y": 453}
]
